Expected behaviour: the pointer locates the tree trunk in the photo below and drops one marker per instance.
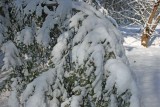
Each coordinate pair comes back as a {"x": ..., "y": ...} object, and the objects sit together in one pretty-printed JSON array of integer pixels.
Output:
[
  {"x": 148, "y": 29},
  {"x": 155, "y": 24}
]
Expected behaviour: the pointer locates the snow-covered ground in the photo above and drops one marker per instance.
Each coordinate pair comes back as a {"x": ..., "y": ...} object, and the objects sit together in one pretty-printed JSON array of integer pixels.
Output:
[{"x": 145, "y": 63}]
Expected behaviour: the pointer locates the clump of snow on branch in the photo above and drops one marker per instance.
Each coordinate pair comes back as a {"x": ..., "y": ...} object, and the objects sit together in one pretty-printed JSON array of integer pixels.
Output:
[
  {"x": 38, "y": 86},
  {"x": 120, "y": 74},
  {"x": 25, "y": 36},
  {"x": 11, "y": 55},
  {"x": 13, "y": 100}
]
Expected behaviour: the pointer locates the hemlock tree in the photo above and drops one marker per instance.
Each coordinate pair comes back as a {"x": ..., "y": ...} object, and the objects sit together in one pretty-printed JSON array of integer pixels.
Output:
[{"x": 64, "y": 53}]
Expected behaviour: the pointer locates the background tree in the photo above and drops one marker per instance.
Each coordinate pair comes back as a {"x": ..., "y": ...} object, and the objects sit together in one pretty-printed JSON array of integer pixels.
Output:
[
  {"x": 150, "y": 25},
  {"x": 127, "y": 12}
]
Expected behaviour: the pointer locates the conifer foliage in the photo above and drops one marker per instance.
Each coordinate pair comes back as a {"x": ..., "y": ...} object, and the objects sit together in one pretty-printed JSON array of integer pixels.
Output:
[{"x": 63, "y": 53}]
